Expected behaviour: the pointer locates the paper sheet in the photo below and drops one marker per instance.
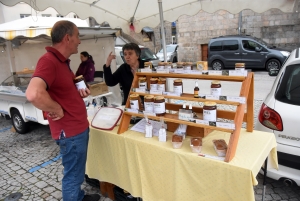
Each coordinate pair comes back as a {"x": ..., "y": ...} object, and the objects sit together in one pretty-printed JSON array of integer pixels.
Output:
[{"x": 140, "y": 126}]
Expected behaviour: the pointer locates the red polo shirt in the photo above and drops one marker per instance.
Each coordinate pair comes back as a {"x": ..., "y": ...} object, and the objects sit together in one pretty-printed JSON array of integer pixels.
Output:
[{"x": 54, "y": 69}]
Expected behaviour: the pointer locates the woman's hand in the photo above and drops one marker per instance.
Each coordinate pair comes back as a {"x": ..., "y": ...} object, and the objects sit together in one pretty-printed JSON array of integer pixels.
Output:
[{"x": 110, "y": 57}]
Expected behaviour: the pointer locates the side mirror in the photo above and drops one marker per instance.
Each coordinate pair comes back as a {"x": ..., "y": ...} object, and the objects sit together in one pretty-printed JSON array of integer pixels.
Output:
[{"x": 273, "y": 72}]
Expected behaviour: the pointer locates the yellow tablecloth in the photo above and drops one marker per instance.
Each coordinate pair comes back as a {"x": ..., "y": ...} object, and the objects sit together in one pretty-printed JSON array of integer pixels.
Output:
[{"x": 155, "y": 171}]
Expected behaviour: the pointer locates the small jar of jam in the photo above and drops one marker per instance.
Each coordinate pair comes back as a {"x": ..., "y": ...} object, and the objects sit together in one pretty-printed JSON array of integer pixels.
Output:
[
  {"x": 180, "y": 65},
  {"x": 135, "y": 101},
  {"x": 168, "y": 65},
  {"x": 188, "y": 66},
  {"x": 210, "y": 111},
  {"x": 148, "y": 103},
  {"x": 215, "y": 88},
  {"x": 161, "y": 84},
  {"x": 159, "y": 106},
  {"x": 147, "y": 65},
  {"x": 178, "y": 87},
  {"x": 161, "y": 65},
  {"x": 239, "y": 66},
  {"x": 79, "y": 82},
  {"x": 142, "y": 83},
  {"x": 153, "y": 83}
]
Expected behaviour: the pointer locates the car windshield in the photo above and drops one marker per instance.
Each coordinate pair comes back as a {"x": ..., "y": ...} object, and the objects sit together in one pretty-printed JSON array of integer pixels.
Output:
[
  {"x": 147, "y": 55},
  {"x": 169, "y": 49},
  {"x": 288, "y": 89}
]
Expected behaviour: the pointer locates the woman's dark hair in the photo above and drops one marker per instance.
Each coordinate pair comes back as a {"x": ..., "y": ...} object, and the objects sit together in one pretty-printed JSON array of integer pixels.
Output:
[
  {"x": 60, "y": 29},
  {"x": 86, "y": 54},
  {"x": 132, "y": 46}
]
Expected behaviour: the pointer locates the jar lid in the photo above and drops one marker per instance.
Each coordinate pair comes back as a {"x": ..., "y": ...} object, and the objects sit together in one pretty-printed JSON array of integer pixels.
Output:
[
  {"x": 169, "y": 63},
  {"x": 134, "y": 95},
  {"x": 178, "y": 80},
  {"x": 159, "y": 97},
  {"x": 78, "y": 77},
  {"x": 153, "y": 79},
  {"x": 142, "y": 78},
  {"x": 149, "y": 97},
  {"x": 147, "y": 63},
  {"x": 179, "y": 63},
  {"x": 208, "y": 103},
  {"x": 162, "y": 79},
  {"x": 215, "y": 82},
  {"x": 239, "y": 64},
  {"x": 161, "y": 63},
  {"x": 188, "y": 63}
]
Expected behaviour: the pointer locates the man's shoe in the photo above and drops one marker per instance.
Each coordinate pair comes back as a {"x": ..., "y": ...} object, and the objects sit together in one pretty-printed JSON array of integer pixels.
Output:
[{"x": 92, "y": 197}]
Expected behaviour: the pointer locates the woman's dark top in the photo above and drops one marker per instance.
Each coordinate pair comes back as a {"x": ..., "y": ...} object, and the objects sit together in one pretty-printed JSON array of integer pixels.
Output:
[
  {"x": 87, "y": 70},
  {"x": 122, "y": 75}
]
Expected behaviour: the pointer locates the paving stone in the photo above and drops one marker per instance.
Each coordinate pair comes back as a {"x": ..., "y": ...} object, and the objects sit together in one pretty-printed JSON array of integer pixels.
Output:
[{"x": 41, "y": 184}]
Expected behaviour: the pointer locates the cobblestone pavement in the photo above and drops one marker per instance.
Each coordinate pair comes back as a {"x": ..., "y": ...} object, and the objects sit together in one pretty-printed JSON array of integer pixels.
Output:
[{"x": 30, "y": 164}]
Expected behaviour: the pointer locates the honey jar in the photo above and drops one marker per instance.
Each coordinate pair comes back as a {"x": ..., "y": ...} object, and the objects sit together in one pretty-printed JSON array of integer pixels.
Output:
[
  {"x": 161, "y": 84},
  {"x": 79, "y": 82},
  {"x": 215, "y": 88},
  {"x": 161, "y": 65},
  {"x": 168, "y": 65},
  {"x": 134, "y": 101},
  {"x": 142, "y": 83},
  {"x": 187, "y": 66},
  {"x": 147, "y": 65},
  {"x": 239, "y": 66},
  {"x": 148, "y": 103},
  {"x": 153, "y": 83},
  {"x": 178, "y": 88},
  {"x": 180, "y": 65},
  {"x": 210, "y": 111},
  {"x": 159, "y": 106}
]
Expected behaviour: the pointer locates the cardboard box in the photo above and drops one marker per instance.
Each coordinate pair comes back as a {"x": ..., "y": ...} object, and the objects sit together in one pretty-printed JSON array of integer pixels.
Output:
[{"x": 98, "y": 88}]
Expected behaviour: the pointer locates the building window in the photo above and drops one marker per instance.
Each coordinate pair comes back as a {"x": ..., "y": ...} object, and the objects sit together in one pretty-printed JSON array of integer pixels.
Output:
[
  {"x": 58, "y": 15},
  {"x": 24, "y": 15},
  {"x": 46, "y": 15}
]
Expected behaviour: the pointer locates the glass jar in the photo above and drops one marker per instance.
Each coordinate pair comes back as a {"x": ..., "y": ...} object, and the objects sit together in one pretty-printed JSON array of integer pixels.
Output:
[
  {"x": 153, "y": 83},
  {"x": 134, "y": 101},
  {"x": 147, "y": 65},
  {"x": 148, "y": 103},
  {"x": 142, "y": 83},
  {"x": 188, "y": 66},
  {"x": 239, "y": 66},
  {"x": 79, "y": 82},
  {"x": 159, "y": 106},
  {"x": 161, "y": 65},
  {"x": 210, "y": 111},
  {"x": 161, "y": 84},
  {"x": 215, "y": 88},
  {"x": 180, "y": 65},
  {"x": 178, "y": 86},
  {"x": 168, "y": 65}
]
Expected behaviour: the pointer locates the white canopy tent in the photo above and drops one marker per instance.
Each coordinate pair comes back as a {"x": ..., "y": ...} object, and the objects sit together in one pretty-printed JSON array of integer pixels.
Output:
[{"x": 132, "y": 15}]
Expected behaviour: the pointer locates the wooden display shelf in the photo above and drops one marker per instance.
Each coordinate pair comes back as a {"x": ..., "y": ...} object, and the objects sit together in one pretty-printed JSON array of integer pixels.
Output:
[{"x": 243, "y": 113}]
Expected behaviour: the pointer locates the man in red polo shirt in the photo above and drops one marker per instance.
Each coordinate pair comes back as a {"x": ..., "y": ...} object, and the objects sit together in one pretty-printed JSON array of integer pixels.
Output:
[{"x": 52, "y": 89}]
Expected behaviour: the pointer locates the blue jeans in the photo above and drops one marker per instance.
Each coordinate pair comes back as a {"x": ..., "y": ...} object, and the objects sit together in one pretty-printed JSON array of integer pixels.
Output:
[{"x": 74, "y": 154}]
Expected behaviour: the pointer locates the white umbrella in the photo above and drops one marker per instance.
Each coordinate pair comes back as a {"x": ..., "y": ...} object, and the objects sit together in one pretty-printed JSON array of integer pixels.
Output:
[{"x": 136, "y": 14}]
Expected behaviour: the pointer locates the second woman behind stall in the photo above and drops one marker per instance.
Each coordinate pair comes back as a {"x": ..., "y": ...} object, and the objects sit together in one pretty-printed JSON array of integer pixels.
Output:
[
  {"x": 125, "y": 73},
  {"x": 87, "y": 67}
]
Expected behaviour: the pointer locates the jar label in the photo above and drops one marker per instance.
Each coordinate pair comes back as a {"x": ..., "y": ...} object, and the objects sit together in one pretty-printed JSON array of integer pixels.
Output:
[
  {"x": 210, "y": 115},
  {"x": 196, "y": 93},
  {"x": 240, "y": 68},
  {"x": 168, "y": 67},
  {"x": 80, "y": 85},
  {"x": 159, "y": 108},
  {"x": 215, "y": 91},
  {"x": 153, "y": 86},
  {"x": 187, "y": 68},
  {"x": 160, "y": 67},
  {"x": 148, "y": 106},
  {"x": 178, "y": 89},
  {"x": 134, "y": 104},
  {"x": 142, "y": 85},
  {"x": 161, "y": 87}
]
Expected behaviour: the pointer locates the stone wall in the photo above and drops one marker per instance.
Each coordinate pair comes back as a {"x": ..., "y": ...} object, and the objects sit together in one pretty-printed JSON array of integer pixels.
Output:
[{"x": 275, "y": 27}]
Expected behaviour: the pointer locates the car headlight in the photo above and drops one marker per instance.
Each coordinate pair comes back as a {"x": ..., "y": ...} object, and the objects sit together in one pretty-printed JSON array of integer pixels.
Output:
[{"x": 285, "y": 53}]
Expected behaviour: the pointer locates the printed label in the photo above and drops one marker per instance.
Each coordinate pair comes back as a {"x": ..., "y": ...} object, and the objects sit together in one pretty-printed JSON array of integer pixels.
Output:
[
  {"x": 134, "y": 104},
  {"x": 153, "y": 86},
  {"x": 159, "y": 108},
  {"x": 178, "y": 89},
  {"x": 156, "y": 92},
  {"x": 212, "y": 97},
  {"x": 80, "y": 85},
  {"x": 142, "y": 85},
  {"x": 179, "y": 71},
  {"x": 146, "y": 70},
  {"x": 225, "y": 125},
  {"x": 199, "y": 121},
  {"x": 185, "y": 116},
  {"x": 237, "y": 99},
  {"x": 140, "y": 90},
  {"x": 210, "y": 115},
  {"x": 168, "y": 67},
  {"x": 161, "y": 87},
  {"x": 148, "y": 106},
  {"x": 187, "y": 68},
  {"x": 196, "y": 93},
  {"x": 160, "y": 68},
  {"x": 215, "y": 91},
  {"x": 215, "y": 72},
  {"x": 200, "y": 66}
]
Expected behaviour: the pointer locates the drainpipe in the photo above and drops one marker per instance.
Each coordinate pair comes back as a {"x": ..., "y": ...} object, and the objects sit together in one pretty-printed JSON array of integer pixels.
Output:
[{"x": 240, "y": 22}]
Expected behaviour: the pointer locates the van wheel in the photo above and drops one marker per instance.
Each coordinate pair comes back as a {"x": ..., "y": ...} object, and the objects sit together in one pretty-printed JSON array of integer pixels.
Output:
[
  {"x": 18, "y": 123},
  {"x": 217, "y": 65},
  {"x": 174, "y": 60},
  {"x": 273, "y": 64}
]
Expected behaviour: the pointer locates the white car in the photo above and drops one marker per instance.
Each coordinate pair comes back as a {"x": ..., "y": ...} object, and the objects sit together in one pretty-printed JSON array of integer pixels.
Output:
[
  {"x": 171, "y": 53},
  {"x": 279, "y": 115}
]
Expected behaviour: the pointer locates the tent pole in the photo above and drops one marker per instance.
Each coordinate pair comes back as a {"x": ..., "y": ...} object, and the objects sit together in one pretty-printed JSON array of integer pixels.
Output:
[
  {"x": 11, "y": 57},
  {"x": 163, "y": 36}
]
